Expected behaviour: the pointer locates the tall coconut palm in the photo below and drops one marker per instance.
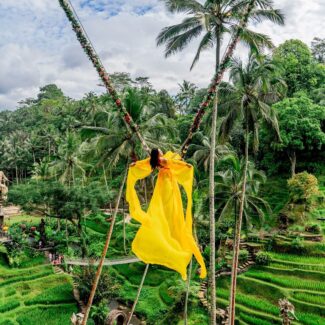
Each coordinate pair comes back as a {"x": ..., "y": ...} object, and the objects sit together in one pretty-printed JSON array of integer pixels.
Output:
[
  {"x": 109, "y": 141},
  {"x": 229, "y": 187},
  {"x": 215, "y": 18},
  {"x": 184, "y": 96},
  {"x": 253, "y": 87},
  {"x": 202, "y": 150},
  {"x": 68, "y": 164}
]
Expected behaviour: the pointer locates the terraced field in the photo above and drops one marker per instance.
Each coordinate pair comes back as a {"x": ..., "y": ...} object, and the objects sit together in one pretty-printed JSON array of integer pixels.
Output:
[
  {"x": 300, "y": 279},
  {"x": 34, "y": 295}
]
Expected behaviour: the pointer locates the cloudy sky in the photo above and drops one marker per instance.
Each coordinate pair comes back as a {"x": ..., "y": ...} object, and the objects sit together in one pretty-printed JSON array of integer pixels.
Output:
[{"x": 37, "y": 45}]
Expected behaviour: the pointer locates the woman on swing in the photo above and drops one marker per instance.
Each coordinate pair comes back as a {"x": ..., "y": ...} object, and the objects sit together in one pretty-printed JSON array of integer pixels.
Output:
[{"x": 165, "y": 236}]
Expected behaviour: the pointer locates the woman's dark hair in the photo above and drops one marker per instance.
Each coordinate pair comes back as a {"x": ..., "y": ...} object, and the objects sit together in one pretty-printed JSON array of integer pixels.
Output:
[{"x": 154, "y": 158}]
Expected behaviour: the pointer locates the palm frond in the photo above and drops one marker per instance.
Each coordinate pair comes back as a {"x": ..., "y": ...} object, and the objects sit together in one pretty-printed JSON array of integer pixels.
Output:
[
  {"x": 179, "y": 42},
  {"x": 170, "y": 32},
  {"x": 207, "y": 42},
  {"x": 185, "y": 6},
  {"x": 256, "y": 41},
  {"x": 273, "y": 15}
]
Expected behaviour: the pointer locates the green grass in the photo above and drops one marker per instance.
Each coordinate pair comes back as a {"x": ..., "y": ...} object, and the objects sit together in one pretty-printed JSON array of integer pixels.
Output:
[
  {"x": 54, "y": 315},
  {"x": 59, "y": 294},
  {"x": 292, "y": 282},
  {"x": 298, "y": 278},
  {"x": 310, "y": 297},
  {"x": 253, "y": 320},
  {"x": 298, "y": 258},
  {"x": 34, "y": 295},
  {"x": 31, "y": 220}
]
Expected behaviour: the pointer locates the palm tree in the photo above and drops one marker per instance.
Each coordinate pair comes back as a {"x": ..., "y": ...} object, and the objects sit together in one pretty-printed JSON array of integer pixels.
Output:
[
  {"x": 111, "y": 143},
  {"x": 68, "y": 164},
  {"x": 215, "y": 18},
  {"x": 253, "y": 87},
  {"x": 229, "y": 187},
  {"x": 185, "y": 95},
  {"x": 202, "y": 150}
]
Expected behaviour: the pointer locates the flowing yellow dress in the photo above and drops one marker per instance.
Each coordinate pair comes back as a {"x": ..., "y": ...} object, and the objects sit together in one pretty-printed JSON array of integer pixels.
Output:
[{"x": 165, "y": 236}]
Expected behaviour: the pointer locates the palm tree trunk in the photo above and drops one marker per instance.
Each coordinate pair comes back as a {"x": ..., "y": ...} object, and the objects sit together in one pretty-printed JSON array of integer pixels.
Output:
[
  {"x": 94, "y": 58},
  {"x": 66, "y": 233},
  {"x": 217, "y": 78},
  {"x": 293, "y": 160},
  {"x": 105, "y": 179},
  {"x": 124, "y": 230},
  {"x": 232, "y": 312},
  {"x": 17, "y": 178},
  {"x": 212, "y": 216},
  {"x": 211, "y": 196},
  {"x": 101, "y": 262}
]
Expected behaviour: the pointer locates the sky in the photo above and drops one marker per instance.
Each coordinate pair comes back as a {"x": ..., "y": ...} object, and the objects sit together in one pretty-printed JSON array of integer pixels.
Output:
[{"x": 38, "y": 47}]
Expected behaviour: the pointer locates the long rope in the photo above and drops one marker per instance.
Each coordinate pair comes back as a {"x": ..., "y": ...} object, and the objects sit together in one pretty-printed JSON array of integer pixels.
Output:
[
  {"x": 94, "y": 58},
  {"x": 138, "y": 294},
  {"x": 104, "y": 252},
  {"x": 188, "y": 291}
]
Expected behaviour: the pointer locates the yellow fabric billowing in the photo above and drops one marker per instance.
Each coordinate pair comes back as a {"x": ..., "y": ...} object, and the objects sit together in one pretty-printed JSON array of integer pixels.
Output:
[{"x": 165, "y": 236}]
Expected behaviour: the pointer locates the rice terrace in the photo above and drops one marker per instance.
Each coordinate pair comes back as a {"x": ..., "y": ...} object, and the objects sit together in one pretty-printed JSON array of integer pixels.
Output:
[{"x": 162, "y": 162}]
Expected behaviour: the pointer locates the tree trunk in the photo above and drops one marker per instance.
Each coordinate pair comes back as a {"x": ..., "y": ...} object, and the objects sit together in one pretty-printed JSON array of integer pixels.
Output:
[
  {"x": 66, "y": 233},
  {"x": 232, "y": 311},
  {"x": 293, "y": 160},
  {"x": 124, "y": 230},
  {"x": 17, "y": 177},
  {"x": 105, "y": 179},
  {"x": 106, "y": 246},
  {"x": 211, "y": 196}
]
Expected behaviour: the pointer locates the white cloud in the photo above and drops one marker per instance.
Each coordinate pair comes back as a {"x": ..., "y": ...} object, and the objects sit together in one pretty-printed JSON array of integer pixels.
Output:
[{"x": 37, "y": 45}]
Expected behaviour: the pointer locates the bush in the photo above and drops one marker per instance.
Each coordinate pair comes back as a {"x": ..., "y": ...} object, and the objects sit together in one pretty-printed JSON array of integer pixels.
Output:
[
  {"x": 270, "y": 243},
  {"x": 243, "y": 255},
  {"x": 263, "y": 258},
  {"x": 313, "y": 228},
  {"x": 302, "y": 187},
  {"x": 298, "y": 244}
]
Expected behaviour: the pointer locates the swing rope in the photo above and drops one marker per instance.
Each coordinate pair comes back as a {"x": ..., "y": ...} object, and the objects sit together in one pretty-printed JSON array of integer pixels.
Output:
[
  {"x": 104, "y": 252},
  {"x": 89, "y": 49},
  {"x": 94, "y": 58}
]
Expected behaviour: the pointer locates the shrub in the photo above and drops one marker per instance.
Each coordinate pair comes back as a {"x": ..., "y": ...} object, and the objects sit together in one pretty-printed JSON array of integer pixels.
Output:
[
  {"x": 302, "y": 187},
  {"x": 221, "y": 264},
  {"x": 270, "y": 243},
  {"x": 263, "y": 258},
  {"x": 243, "y": 255},
  {"x": 298, "y": 244},
  {"x": 313, "y": 228}
]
